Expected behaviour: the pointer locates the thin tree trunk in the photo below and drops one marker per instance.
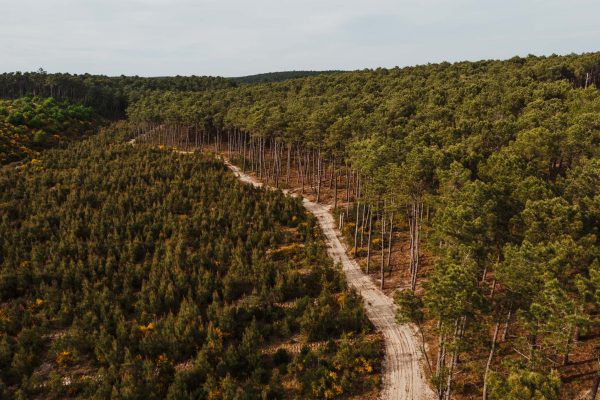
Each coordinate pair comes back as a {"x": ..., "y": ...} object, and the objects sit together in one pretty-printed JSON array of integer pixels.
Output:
[
  {"x": 335, "y": 189},
  {"x": 347, "y": 188},
  {"x": 441, "y": 361},
  {"x": 423, "y": 349},
  {"x": 289, "y": 164},
  {"x": 356, "y": 228},
  {"x": 365, "y": 221},
  {"x": 458, "y": 333},
  {"x": 319, "y": 168},
  {"x": 505, "y": 332},
  {"x": 417, "y": 242},
  {"x": 300, "y": 172},
  {"x": 370, "y": 212},
  {"x": 411, "y": 245},
  {"x": 389, "y": 255},
  {"x": 332, "y": 166},
  {"x": 244, "y": 162},
  {"x": 489, "y": 360},
  {"x": 382, "y": 246}
]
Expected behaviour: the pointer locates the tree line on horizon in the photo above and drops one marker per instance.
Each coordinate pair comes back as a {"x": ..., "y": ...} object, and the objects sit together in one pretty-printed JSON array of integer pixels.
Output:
[{"x": 107, "y": 95}]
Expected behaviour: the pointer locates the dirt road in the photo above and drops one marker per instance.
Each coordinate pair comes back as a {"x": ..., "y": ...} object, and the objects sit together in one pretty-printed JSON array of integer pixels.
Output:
[{"x": 402, "y": 378}]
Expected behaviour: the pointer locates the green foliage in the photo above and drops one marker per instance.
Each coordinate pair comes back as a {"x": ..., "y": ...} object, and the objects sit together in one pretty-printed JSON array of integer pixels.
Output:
[
  {"x": 134, "y": 273},
  {"x": 337, "y": 369},
  {"x": 410, "y": 307},
  {"x": 278, "y": 76},
  {"x": 330, "y": 317},
  {"x": 525, "y": 385},
  {"x": 30, "y": 124},
  {"x": 107, "y": 96}
]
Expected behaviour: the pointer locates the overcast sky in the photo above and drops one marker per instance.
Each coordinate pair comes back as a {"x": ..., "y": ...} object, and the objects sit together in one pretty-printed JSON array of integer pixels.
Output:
[{"x": 241, "y": 37}]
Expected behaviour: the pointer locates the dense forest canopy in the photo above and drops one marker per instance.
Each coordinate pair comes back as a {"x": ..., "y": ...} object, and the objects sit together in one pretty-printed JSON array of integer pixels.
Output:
[
  {"x": 108, "y": 96},
  {"x": 31, "y": 124},
  {"x": 494, "y": 165},
  {"x": 140, "y": 273},
  {"x": 278, "y": 76}
]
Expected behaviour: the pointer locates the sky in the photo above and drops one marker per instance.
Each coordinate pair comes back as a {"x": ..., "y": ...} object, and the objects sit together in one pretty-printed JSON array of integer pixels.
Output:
[{"x": 243, "y": 37}]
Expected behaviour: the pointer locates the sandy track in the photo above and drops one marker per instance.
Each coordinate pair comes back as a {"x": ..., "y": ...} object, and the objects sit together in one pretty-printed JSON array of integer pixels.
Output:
[{"x": 402, "y": 377}]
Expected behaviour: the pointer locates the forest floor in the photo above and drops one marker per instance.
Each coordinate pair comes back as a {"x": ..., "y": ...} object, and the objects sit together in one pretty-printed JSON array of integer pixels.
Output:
[{"x": 403, "y": 376}]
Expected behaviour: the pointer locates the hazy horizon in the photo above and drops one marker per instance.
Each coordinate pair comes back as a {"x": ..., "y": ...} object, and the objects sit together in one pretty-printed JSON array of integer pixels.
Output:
[{"x": 235, "y": 38}]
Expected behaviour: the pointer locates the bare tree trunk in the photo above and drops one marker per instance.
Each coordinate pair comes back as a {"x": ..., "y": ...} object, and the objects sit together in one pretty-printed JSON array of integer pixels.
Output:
[
  {"x": 365, "y": 221},
  {"x": 260, "y": 150},
  {"x": 335, "y": 189},
  {"x": 319, "y": 168},
  {"x": 311, "y": 169},
  {"x": 218, "y": 141},
  {"x": 382, "y": 246},
  {"x": 276, "y": 165},
  {"x": 505, "y": 332},
  {"x": 423, "y": 349},
  {"x": 245, "y": 144},
  {"x": 587, "y": 77},
  {"x": 485, "y": 267},
  {"x": 493, "y": 289},
  {"x": 389, "y": 255},
  {"x": 289, "y": 164},
  {"x": 347, "y": 188},
  {"x": 458, "y": 333},
  {"x": 370, "y": 212},
  {"x": 332, "y": 167},
  {"x": 356, "y": 228},
  {"x": 356, "y": 224},
  {"x": 441, "y": 360},
  {"x": 300, "y": 172},
  {"x": 417, "y": 241},
  {"x": 489, "y": 360},
  {"x": 411, "y": 245}
]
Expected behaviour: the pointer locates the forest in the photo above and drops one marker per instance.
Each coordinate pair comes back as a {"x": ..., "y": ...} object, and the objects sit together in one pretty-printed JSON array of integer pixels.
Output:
[
  {"x": 136, "y": 272},
  {"x": 108, "y": 96},
  {"x": 278, "y": 76},
  {"x": 31, "y": 124},
  {"x": 484, "y": 173},
  {"x": 469, "y": 192}
]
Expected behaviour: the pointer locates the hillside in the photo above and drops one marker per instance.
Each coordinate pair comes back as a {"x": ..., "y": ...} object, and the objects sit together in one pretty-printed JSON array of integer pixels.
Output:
[
  {"x": 481, "y": 179},
  {"x": 139, "y": 272}
]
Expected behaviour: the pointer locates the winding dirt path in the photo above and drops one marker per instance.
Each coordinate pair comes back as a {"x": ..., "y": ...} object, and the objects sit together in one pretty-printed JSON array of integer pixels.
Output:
[{"x": 403, "y": 378}]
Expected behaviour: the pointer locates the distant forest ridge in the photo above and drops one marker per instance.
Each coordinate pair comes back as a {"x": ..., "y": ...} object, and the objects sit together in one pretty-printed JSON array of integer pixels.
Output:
[
  {"x": 279, "y": 76},
  {"x": 110, "y": 96}
]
